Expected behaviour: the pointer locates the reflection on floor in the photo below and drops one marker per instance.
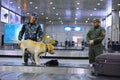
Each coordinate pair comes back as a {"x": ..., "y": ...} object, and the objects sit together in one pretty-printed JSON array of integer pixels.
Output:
[{"x": 45, "y": 76}]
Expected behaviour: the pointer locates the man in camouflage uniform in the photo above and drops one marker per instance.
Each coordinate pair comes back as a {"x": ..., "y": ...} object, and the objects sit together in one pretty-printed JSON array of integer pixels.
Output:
[
  {"x": 32, "y": 31},
  {"x": 95, "y": 37}
]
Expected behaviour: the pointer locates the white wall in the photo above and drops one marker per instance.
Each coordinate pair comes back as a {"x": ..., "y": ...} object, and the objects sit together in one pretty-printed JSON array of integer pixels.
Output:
[
  {"x": 61, "y": 35},
  {"x": 115, "y": 26}
]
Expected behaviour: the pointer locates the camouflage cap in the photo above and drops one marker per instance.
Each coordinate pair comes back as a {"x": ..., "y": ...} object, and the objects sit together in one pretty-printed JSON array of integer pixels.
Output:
[
  {"x": 35, "y": 15},
  {"x": 97, "y": 20}
]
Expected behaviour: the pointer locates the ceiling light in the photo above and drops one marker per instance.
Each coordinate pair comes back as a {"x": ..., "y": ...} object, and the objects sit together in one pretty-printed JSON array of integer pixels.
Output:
[
  {"x": 36, "y": 7},
  {"x": 11, "y": 2},
  {"x": 51, "y": 2},
  {"x": 61, "y": 21},
  {"x": 28, "y": 13},
  {"x": 77, "y": 8},
  {"x": 91, "y": 14},
  {"x": 59, "y": 18},
  {"x": 50, "y": 21},
  {"x": 98, "y": 4},
  {"x": 31, "y": 2},
  {"x": 86, "y": 21},
  {"x": 88, "y": 18},
  {"x": 113, "y": 9},
  {"x": 76, "y": 14},
  {"x": 118, "y": 4},
  {"x": 76, "y": 18},
  {"x": 19, "y": 7},
  {"x": 101, "y": 0},
  {"x": 57, "y": 14},
  {"x": 42, "y": 13},
  {"x": 78, "y": 3},
  {"x": 47, "y": 18},
  {"x": 75, "y": 21},
  {"x": 53, "y": 8},
  {"x": 95, "y": 8}
]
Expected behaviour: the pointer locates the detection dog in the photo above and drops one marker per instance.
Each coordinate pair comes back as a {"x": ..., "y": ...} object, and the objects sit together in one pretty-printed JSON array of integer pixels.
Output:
[{"x": 35, "y": 48}]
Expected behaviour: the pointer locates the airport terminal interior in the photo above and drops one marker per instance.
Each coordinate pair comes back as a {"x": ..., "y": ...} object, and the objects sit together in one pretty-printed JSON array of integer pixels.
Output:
[{"x": 66, "y": 23}]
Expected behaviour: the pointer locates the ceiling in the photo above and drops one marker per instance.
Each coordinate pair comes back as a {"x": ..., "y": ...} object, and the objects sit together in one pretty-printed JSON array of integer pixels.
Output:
[
  {"x": 62, "y": 11},
  {"x": 116, "y": 5}
]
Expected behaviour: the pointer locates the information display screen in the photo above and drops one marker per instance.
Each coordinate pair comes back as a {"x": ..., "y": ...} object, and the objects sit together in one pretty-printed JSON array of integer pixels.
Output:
[{"x": 11, "y": 31}]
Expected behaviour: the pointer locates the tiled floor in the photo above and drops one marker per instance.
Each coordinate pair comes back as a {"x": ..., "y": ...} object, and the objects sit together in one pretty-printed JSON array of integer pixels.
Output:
[{"x": 46, "y": 76}]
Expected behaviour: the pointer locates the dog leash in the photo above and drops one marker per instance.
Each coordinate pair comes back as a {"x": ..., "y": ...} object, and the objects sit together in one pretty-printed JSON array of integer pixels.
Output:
[{"x": 46, "y": 50}]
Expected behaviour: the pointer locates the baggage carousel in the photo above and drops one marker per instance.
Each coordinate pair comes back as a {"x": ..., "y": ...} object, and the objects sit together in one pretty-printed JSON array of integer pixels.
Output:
[
  {"x": 59, "y": 54},
  {"x": 32, "y": 68},
  {"x": 18, "y": 71}
]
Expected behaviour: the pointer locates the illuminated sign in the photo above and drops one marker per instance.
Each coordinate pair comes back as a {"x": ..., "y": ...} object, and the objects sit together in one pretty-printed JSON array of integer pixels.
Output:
[
  {"x": 73, "y": 28},
  {"x": 67, "y": 28}
]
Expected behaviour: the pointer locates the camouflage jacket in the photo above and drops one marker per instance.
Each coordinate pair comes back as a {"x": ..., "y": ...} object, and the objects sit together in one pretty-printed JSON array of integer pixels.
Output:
[
  {"x": 96, "y": 34},
  {"x": 31, "y": 31}
]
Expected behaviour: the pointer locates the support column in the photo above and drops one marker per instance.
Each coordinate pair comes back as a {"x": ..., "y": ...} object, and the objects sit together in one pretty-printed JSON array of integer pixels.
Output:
[{"x": 115, "y": 26}]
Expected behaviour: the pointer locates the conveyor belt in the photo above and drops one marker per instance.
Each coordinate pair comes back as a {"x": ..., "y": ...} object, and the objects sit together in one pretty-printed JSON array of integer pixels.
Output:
[{"x": 30, "y": 68}]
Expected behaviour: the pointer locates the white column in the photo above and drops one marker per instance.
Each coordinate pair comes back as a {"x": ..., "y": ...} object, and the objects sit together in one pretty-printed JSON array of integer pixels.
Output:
[{"x": 115, "y": 26}]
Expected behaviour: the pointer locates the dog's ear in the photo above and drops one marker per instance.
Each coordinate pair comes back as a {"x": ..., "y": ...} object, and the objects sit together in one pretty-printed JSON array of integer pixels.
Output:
[
  {"x": 48, "y": 40},
  {"x": 50, "y": 46},
  {"x": 52, "y": 41}
]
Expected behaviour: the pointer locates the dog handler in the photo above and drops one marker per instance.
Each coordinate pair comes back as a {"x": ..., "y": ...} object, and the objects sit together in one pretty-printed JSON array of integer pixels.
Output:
[
  {"x": 31, "y": 30},
  {"x": 95, "y": 37}
]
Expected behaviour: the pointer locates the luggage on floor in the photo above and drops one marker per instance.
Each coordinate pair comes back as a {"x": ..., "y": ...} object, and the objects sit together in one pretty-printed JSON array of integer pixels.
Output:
[
  {"x": 52, "y": 63},
  {"x": 107, "y": 64}
]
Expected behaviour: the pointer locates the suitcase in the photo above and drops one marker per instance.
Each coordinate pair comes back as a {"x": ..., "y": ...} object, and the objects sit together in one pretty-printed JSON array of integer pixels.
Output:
[{"x": 107, "y": 64}]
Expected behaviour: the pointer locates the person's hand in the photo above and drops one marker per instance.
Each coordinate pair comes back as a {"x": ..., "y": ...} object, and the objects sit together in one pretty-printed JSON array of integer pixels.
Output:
[
  {"x": 38, "y": 40},
  {"x": 91, "y": 42}
]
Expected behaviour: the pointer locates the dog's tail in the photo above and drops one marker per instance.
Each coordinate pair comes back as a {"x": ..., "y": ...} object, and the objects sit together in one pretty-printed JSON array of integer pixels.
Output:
[{"x": 15, "y": 40}]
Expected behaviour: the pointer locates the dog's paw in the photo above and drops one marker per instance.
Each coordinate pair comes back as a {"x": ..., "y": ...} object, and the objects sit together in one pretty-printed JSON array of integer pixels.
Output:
[
  {"x": 33, "y": 63},
  {"x": 23, "y": 62},
  {"x": 37, "y": 63}
]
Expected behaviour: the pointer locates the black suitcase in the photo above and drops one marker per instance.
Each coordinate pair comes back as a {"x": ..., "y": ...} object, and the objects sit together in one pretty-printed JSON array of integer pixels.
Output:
[{"x": 107, "y": 64}]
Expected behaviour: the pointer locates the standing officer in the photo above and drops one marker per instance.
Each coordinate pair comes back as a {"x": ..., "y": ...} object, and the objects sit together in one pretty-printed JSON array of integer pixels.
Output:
[
  {"x": 32, "y": 31},
  {"x": 95, "y": 37}
]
